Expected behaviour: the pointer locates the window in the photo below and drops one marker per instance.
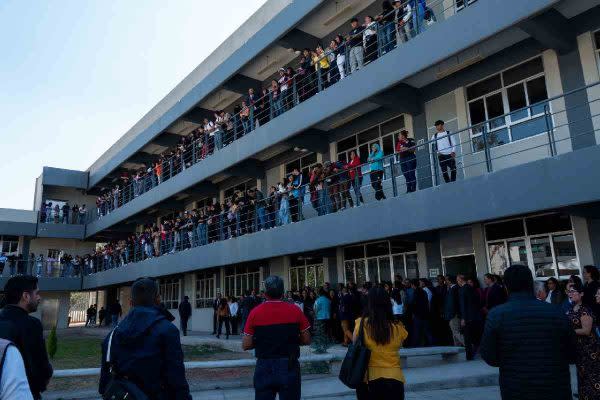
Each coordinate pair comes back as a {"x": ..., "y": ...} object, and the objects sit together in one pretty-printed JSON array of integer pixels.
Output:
[
  {"x": 384, "y": 134},
  {"x": 241, "y": 278},
  {"x": 169, "y": 292},
  {"x": 380, "y": 261},
  {"x": 306, "y": 271},
  {"x": 509, "y": 105},
  {"x": 304, "y": 165},
  {"x": 205, "y": 289},
  {"x": 544, "y": 243},
  {"x": 10, "y": 245},
  {"x": 242, "y": 187},
  {"x": 53, "y": 253}
]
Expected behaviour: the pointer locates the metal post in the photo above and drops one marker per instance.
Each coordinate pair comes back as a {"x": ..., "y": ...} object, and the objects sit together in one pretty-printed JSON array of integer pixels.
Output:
[
  {"x": 486, "y": 147},
  {"x": 394, "y": 183},
  {"x": 296, "y": 98},
  {"x": 235, "y": 126},
  {"x": 251, "y": 116},
  {"x": 270, "y": 105},
  {"x": 380, "y": 34},
  {"x": 319, "y": 78},
  {"x": 549, "y": 129}
]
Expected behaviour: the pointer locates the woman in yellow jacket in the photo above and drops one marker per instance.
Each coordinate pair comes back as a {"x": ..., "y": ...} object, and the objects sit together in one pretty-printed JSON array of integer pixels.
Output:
[
  {"x": 321, "y": 63},
  {"x": 384, "y": 337}
]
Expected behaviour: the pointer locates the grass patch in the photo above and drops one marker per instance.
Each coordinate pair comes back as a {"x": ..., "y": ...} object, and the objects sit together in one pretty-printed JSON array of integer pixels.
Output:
[{"x": 85, "y": 352}]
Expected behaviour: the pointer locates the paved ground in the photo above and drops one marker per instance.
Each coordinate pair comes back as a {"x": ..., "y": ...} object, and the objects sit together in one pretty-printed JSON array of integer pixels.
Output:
[{"x": 480, "y": 393}]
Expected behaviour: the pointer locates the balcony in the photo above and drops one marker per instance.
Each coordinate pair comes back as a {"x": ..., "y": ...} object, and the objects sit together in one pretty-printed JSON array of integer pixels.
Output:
[
  {"x": 485, "y": 188},
  {"x": 52, "y": 276},
  {"x": 441, "y": 41}
]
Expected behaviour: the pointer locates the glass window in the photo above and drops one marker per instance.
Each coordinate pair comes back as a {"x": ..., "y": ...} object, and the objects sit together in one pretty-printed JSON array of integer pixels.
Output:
[
  {"x": 388, "y": 145},
  {"x": 486, "y": 86},
  {"x": 517, "y": 102},
  {"x": 477, "y": 112},
  {"x": 495, "y": 109},
  {"x": 360, "y": 271},
  {"x": 368, "y": 135},
  {"x": 354, "y": 252},
  {"x": 504, "y": 230},
  {"x": 385, "y": 270},
  {"x": 566, "y": 255},
  {"x": 536, "y": 91},
  {"x": 169, "y": 292},
  {"x": 400, "y": 246},
  {"x": 347, "y": 144},
  {"x": 517, "y": 252},
  {"x": 349, "y": 271},
  {"x": 378, "y": 249},
  {"x": 393, "y": 125},
  {"x": 399, "y": 265},
  {"x": 543, "y": 264},
  {"x": 373, "y": 274},
  {"x": 412, "y": 266},
  {"x": 205, "y": 289},
  {"x": 498, "y": 261},
  {"x": 529, "y": 128},
  {"x": 548, "y": 223},
  {"x": 523, "y": 71},
  {"x": 597, "y": 37}
]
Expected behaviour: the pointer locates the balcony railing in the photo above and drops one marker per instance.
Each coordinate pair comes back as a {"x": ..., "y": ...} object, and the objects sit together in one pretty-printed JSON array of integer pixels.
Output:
[
  {"x": 41, "y": 267},
  {"x": 335, "y": 186},
  {"x": 60, "y": 216},
  {"x": 316, "y": 73}
]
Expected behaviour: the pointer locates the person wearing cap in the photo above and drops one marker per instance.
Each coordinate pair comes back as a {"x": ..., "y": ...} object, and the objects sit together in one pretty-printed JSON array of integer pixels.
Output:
[
  {"x": 275, "y": 330},
  {"x": 145, "y": 348},
  {"x": 355, "y": 43}
]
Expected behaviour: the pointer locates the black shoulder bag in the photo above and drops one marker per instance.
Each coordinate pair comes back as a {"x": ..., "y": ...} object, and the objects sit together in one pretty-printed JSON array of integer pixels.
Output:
[
  {"x": 119, "y": 387},
  {"x": 355, "y": 364}
]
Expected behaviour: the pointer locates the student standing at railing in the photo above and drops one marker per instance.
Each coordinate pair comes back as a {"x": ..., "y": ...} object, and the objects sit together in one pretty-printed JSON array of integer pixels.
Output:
[
  {"x": 264, "y": 108},
  {"x": 405, "y": 147},
  {"x": 370, "y": 39},
  {"x": 388, "y": 30},
  {"x": 376, "y": 165},
  {"x": 446, "y": 151},
  {"x": 321, "y": 63},
  {"x": 355, "y": 173},
  {"x": 340, "y": 44},
  {"x": 355, "y": 44},
  {"x": 283, "y": 89}
]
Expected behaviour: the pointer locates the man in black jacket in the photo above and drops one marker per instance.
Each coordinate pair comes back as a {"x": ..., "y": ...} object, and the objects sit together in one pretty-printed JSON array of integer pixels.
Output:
[
  {"x": 185, "y": 312},
  {"x": 531, "y": 341},
  {"x": 215, "y": 306},
  {"x": 145, "y": 348},
  {"x": 470, "y": 315},
  {"x": 22, "y": 298},
  {"x": 494, "y": 293},
  {"x": 452, "y": 311}
]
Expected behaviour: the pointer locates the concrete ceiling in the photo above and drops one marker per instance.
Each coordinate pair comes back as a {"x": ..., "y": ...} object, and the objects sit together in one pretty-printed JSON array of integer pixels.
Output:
[{"x": 331, "y": 15}]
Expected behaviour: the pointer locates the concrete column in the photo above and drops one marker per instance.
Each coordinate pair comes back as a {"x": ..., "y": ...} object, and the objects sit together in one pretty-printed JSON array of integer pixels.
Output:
[
  {"x": 339, "y": 251},
  {"x": 330, "y": 270},
  {"x": 480, "y": 250},
  {"x": 423, "y": 158},
  {"x": 125, "y": 298},
  {"x": 591, "y": 74},
  {"x": 555, "y": 88},
  {"x": 580, "y": 118},
  {"x": 582, "y": 240},
  {"x": 430, "y": 258},
  {"x": 332, "y": 151},
  {"x": 64, "y": 303},
  {"x": 280, "y": 266},
  {"x": 594, "y": 236}
]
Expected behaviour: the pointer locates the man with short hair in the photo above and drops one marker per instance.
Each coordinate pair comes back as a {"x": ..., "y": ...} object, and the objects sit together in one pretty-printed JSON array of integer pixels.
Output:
[
  {"x": 215, "y": 306},
  {"x": 185, "y": 312},
  {"x": 470, "y": 316},
  {"x": 446, "y": 151},
  {"x": 494, "y": 293},
  {"x": 531, "y": 342},
  {"x": 355, "y": 43},
  {"x": 276, "y": 330},
  {"x": 452, "y": 311},
  {"x": 145, "y": 348},
  {"x": 22, "y": 298}
]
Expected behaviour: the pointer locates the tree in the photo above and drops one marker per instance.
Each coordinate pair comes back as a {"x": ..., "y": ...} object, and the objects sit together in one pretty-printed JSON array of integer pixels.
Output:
[{"x": 52, "y": 343}]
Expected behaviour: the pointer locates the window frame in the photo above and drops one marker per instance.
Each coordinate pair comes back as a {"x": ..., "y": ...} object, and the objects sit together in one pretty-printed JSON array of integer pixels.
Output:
[
  {"x": 596, "y": 47},
  {"x": 527, "y": 238},
  {"x": 305, "y": 267},
  {"x": 231, "y": 280},
  {"x": 476, "y": 131},
  {"x": 168, "y": 288},
  {"x": 390, "y": 256},
  {"x": 10, "y": 242},
  {"x": 238, "y": 186},
  {"x": 208, "y": 287}
]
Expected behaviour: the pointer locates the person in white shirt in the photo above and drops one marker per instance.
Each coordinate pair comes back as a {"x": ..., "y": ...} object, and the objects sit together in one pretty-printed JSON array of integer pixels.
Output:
[
  {"x": 233, "y": 310},
  {"x": 13, "y": 383},
  {"x": 446, "y": 151}
]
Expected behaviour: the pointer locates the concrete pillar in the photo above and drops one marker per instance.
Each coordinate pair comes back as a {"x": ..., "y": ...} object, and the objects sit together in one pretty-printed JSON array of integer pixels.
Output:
[
  {"x": 480, "y": 250},
  {"x": 339, "y": 262},
  {"x": 591, "y": 74},
  {"x": 594, "y": 236},
  {"x": 419, "y": 123},
  {"x": 125, "y": 298},
  {"x": 582, "y": 240},
  {"x": 330, "y": 270},
  {"x": 578, "y": 114},
  {"x": 430, "y": 258},
  {"x": 280, "y": 266}
]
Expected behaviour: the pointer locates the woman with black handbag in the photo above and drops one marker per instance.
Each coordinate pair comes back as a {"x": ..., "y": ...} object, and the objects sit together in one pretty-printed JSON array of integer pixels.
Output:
[{"x": 383, "y": 336}]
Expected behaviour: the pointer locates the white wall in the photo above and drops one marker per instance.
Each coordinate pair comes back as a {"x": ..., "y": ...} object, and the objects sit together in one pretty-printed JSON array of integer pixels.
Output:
[{"x": 70, "y": 246}]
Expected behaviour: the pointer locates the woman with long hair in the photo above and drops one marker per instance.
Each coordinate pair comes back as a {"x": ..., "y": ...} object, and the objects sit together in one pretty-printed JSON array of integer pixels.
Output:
[{"x": 384, "y": 337}]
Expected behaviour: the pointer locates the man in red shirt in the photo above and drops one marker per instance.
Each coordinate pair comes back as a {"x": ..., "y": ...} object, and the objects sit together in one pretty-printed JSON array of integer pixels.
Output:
[{"x": 276, "y": 330}]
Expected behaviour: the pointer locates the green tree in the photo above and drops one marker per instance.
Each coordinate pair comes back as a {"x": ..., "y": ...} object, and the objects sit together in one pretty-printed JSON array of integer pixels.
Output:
[{"x": 52, "y": 343}]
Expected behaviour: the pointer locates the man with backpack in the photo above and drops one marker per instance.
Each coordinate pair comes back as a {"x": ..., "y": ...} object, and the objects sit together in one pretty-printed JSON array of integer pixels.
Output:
[
  {"x": 142, "y": 356},
  {"x": 446, "y": 151},
  {"x": 16, "y": 325}
]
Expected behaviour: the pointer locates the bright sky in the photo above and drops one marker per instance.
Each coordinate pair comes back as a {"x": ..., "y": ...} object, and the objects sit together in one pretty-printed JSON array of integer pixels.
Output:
[{"x": 76, "y": 75}]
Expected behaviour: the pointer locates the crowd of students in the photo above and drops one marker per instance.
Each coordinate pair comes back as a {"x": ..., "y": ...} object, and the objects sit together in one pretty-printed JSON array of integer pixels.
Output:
[
  {"x": 57, "y": 214},
  {"x": 317, "y": 69}
]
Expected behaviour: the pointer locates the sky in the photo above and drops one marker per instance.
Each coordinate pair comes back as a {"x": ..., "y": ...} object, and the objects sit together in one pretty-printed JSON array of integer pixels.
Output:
[{"x": 76, "y": 75}]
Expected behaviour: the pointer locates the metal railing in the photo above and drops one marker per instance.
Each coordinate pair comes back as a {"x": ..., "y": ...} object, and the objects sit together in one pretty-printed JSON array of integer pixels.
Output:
[
  {"x": 316, "y": 73},
  {"x": 336, "y": 186},
  {"x": 70, "y": 217},
  {"x": 40, "y": 267}
]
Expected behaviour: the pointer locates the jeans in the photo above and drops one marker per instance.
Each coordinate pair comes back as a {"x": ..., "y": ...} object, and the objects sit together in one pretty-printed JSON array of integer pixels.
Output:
[
  {"x": 218, "y": 140},
  {"x": 176, "y": 242},
  {"x": 277, "y": 376},
  {"x": 260, "y": 219},
  {"x": 356, "y": 58},
  {"x": 409, "y": 166},
  {"x": 324, "y": 202},
  {"x": 448, "y": 167},
  {"x": 388, "y": 36},
  {"x": 341, "y": 64},
  {"x": 376, "y": 178},
  {"x": 202, "y": 234},
  {"x": 224, "y": 320}
]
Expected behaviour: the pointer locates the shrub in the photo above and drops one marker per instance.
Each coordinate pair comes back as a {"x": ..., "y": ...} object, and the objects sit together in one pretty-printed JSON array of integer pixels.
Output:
[{"x": 52, "y": 343}]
